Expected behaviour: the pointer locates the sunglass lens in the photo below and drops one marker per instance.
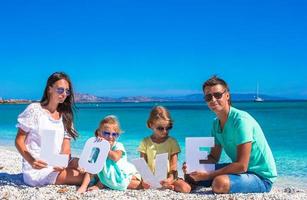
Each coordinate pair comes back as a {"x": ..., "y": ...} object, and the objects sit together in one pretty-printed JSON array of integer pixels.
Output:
[
  {"x": 67, "y": 92},
  {"x": 107, "y": 134},
  {"x": 60, "y": 90},
  {"x": 218, "y": 95},
  {"x": 208, "y": 97}
]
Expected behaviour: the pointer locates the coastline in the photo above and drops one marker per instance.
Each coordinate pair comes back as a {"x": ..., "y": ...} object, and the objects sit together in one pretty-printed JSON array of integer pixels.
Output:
[{"x": 12, "y": 187}]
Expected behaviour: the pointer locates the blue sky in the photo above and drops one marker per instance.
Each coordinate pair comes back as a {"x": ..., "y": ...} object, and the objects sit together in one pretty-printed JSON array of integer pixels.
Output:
[{"x": 154, "y": 48}]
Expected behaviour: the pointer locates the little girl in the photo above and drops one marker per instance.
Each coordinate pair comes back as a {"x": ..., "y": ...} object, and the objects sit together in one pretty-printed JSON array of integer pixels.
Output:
[
  {"x": 117, "y": 173},
  {"x": 160, "y": 142}
]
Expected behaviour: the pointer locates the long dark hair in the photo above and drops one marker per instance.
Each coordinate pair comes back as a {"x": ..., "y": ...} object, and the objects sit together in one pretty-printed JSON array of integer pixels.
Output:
[{"x": 66, "y": 109}]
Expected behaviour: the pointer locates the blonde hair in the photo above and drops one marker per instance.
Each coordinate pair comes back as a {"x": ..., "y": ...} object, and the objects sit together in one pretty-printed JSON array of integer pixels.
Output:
[
  {"x": 109, "y": 120},
  {"x": 159, "y": 113}
]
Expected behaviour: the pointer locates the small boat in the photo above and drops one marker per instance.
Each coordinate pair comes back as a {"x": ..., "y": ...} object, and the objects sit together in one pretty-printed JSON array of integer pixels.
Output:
[{"x": 257, "y": 98}]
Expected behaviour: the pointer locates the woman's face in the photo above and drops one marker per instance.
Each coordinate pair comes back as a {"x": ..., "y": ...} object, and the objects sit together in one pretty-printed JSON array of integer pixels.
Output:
[
  {"x": 217, "y": 98},
  {"x": 161, "y": 128},
  {"x": 59, "y": 91}
]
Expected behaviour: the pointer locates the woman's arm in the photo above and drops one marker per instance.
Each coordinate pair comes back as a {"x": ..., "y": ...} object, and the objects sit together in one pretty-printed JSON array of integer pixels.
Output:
[
  {"x": 66, "y": 146},
  {"x": 240, "y": 166},
  {"x": 21, "y": 147}
]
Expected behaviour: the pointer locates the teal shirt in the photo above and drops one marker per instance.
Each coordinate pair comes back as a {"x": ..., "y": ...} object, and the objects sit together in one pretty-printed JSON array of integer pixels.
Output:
[
  {"x": 241, "y": 128},
  {"x": 118, "y": 175}
]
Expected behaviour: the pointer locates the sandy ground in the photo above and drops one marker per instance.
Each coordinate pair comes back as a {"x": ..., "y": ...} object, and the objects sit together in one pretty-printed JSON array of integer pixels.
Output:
[{"x": 12, "y": 187}]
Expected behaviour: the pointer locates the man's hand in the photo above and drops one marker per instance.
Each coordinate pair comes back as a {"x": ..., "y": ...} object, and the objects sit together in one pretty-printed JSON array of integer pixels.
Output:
[{"x": 200, "y": 175}]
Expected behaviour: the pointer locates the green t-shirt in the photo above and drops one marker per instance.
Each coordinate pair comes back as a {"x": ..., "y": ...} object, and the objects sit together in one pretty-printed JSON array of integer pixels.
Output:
[
  {"x": 118, "y": 175},
  {"x": 241, "y": 128},
  {"x": 152, "y": 149}
]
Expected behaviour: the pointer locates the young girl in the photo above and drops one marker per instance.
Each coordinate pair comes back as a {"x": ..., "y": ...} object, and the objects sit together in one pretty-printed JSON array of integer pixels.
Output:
[
  {"x": 160, "y": 142},
  {"x": 117, "y": 173}
]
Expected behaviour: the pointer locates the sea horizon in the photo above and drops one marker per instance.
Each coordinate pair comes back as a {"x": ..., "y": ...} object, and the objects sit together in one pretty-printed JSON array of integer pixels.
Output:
[{"x": 282, "y": 122}]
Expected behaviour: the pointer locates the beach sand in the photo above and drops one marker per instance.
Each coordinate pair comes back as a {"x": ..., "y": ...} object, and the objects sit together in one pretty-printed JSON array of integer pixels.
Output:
[{"x": 12, "y": 187}]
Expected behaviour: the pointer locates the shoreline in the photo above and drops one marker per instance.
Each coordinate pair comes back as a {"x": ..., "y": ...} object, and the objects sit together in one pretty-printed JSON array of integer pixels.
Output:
[{"x": 12, "y": 187}]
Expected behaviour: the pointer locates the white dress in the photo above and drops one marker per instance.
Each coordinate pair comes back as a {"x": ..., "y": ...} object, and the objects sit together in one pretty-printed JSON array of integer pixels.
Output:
[{"x": 34, "y": 120}]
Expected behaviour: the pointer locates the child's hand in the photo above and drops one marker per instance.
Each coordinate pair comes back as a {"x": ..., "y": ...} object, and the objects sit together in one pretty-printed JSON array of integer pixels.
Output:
[
  {"x": 99, "y": 139},
  {"x": 81, "y": 170}
]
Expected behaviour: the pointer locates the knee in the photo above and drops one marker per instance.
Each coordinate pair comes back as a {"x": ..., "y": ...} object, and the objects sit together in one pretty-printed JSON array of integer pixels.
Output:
[
  {"x": 221, "y": 184},
  {"x": 182, "y": 186}
]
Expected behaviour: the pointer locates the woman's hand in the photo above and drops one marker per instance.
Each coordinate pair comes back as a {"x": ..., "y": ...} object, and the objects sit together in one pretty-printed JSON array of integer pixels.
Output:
[
  {"x": 200, "y": 175},
  {"x": 38, "y": 164},
  {"x": 58, "y": 169}
]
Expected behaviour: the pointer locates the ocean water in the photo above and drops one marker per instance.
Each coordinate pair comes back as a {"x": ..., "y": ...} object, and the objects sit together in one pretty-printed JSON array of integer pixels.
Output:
[{"x": 284, "y": 125}]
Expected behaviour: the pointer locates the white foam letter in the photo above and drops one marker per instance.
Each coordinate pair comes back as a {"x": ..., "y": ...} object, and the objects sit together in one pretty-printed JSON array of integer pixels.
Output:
[
  {"x": 88, "y": 160},
  {"x": 49, "y": 152},
  {"x": 194, "y": 155},
  {"x": 160, "y": 170}
]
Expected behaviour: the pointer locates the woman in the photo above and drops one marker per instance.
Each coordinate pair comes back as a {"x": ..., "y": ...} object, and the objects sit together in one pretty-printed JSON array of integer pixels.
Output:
[
  {"x": 253, "y": 167},
  {"x": 54, "y": 112}
]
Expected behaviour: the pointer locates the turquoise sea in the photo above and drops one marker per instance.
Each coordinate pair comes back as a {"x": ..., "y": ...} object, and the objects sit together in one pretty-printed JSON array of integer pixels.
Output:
[{"x": 284, "y": 124}]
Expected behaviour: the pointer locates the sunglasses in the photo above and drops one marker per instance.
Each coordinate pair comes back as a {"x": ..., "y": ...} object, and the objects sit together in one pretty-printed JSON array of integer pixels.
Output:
[
  {"x": 109, "y": 134},
  {"x": 61, "y": 90},
  {"x": 216, "y": 95},
  {"x": 161, "y": 128}
]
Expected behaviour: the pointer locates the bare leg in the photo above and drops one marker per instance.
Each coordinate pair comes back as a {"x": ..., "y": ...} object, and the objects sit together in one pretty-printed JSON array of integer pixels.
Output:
[
  {"x": 137, "y": 184},
  {"x": 74, "y": 163},
  {"x": 69, "y": 176},
  {"x": 85, "y": 182},
  {"x": 181, "y": 186},
  {"x": 98, "y": 186}
]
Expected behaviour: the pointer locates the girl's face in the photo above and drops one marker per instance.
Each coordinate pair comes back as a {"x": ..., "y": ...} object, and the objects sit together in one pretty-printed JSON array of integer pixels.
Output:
[
  {"x": 161, "y": 129},
  {"x": 109, "y": 133},
  {"x": 59, "y": 91},
  {"x": 217, "y": 98}
]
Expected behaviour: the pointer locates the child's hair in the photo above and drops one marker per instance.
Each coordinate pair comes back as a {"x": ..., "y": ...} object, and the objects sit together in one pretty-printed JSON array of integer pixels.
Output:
[
  {"x": 110, "y": 120},
  {"x": 159, "y": 113}
]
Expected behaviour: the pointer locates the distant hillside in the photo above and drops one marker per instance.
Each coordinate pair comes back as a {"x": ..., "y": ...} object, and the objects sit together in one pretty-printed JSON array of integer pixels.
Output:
[{"x": 82, "y": 98}]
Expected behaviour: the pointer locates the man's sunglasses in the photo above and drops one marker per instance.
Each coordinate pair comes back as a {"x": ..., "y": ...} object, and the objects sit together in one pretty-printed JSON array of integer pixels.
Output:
[
  {"x": 216, "y": 95},
  {"x": 61, "y": 90},
  {"x": 109, "y": 134},
  {"x": 161, "y": 128}
]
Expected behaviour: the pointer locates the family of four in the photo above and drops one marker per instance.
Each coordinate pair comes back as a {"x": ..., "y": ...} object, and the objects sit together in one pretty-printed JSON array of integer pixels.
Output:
[{"x": 252, "y": 168}]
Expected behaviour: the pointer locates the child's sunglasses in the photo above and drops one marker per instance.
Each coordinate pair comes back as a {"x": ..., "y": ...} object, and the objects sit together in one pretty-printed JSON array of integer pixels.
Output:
[
  {"x": 161, "y": 128},
  {"x": 109, "y": 134},
  {"x": 216, "y": 95},
  {"x": 61, "y": 90}
]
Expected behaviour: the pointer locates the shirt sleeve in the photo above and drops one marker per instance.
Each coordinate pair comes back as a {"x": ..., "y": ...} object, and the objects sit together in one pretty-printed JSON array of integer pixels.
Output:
[
  {"x": 119, "y": 147},
  {"x": 213, "y": 133},
  {"x": 28, "y": 119},
  {"x": 244, "y": 131},
  {"x": 142, "y": 146},
  {"x": 175, "y": 148}
]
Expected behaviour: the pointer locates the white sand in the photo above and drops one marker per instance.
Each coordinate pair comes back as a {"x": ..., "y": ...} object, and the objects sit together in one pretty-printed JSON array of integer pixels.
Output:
[{"x": 12, "y": 187}]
